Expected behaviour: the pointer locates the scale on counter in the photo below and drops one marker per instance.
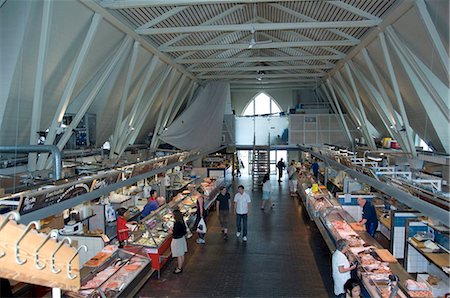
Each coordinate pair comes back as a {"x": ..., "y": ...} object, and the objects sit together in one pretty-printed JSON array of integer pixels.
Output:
[{"x": 72, "y": 228}]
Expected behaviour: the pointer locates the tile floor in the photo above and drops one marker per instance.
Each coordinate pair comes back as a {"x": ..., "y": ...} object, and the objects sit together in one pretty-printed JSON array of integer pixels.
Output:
[{"x": 285, "y": 256}]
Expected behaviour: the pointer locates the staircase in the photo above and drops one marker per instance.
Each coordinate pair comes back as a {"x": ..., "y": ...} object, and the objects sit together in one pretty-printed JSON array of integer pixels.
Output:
[{"x": 260, "y": 165}]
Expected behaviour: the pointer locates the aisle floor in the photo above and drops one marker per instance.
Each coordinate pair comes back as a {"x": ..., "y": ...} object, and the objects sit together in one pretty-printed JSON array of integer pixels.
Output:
[{"x": 285, "y": 256}]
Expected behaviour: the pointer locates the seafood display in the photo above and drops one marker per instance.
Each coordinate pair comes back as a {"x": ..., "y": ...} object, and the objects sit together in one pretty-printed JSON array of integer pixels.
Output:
[{"x": 113, "y": 277}]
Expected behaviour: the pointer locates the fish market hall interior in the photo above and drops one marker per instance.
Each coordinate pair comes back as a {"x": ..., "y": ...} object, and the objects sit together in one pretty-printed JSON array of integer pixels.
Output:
[{"x": 253, "y": 148}]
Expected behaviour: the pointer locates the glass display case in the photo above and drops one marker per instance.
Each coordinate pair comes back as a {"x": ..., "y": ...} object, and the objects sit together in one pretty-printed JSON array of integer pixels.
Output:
[
  {"x": 376, "y": 266},
  {"x": 113, "y": 273}
]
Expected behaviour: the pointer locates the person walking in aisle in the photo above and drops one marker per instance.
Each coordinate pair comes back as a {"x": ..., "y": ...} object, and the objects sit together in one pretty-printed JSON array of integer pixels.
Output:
[
  {"x": 315, "y": 168},
  {"x": 293, "y": 178},
  {"x": 267, "y": 192},
  {"x": 241, "y": 201},
  {"x": 201, "y": 213},
  {"x": 369, "y": 217},
  {"x": 223, "y": 207},
  {"x": 178, "y": 246},
  {"x": 280, "y": 166},
  {"x": 341, "y": 267}
]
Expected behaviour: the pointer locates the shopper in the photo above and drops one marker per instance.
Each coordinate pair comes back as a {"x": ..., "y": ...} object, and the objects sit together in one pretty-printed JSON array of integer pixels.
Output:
[
  {"x": 352, "y": 288},
  {"x": 241, "y": 201},
  {"x": 369, "y": 216},
  {"x": 315, "y": 168},
  {"x": 267, "y": 192},
  {"x": 293, "y": 178},
  {"x": 178, "y": 246},
  {"x": 223, "y": 207},
  {"x": 122, "y": 230},
  {"x": 280, "y": 166},
  {"x": 341, "y": 267},
  {"x": 201, "y": 213}
]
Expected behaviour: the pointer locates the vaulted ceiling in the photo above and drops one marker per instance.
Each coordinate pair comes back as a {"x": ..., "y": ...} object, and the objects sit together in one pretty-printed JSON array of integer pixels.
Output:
[{"x": 287, "y": 43}]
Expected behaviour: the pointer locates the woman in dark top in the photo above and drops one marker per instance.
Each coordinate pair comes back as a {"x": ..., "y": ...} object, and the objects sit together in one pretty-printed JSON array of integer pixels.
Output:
[
  {"x": 223, "y": 205},
  {"x": 178, "y": 244},
  {"x": 201, "y": 213}
]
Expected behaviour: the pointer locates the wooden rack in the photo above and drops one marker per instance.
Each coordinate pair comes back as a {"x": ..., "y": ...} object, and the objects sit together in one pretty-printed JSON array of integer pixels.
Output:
[{"x": 36, "y": 258}]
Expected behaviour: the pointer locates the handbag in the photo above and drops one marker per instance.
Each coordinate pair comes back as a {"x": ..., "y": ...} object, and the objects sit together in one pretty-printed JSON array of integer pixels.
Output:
[{"x": 201, "y": 228}]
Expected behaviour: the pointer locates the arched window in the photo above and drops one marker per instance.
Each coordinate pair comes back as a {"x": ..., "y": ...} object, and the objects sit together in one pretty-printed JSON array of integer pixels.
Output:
[{"x": 260, "y": 105}]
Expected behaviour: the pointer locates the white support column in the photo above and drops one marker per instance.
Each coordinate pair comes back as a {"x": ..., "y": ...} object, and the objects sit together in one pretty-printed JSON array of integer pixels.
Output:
[
  {"x": 376, "y": 100},
  {"x": 433, "y": 111},
  {"x": 130, "y": 121},
  {"x": 67, "y": 95},
  {"x": 344, "y": 123},
  {"x": 176, "y": 98},
  {"x": 148, "y": 75},
  {"x": 162, "y": 110},
  {"x": 320, "y": 93},
  {"x": 432, "y": 31},
  {"x": 92, "y": 95},
  {"x": 398, "y": 96},
  {"x": 125, "y": 92},
  {"x": 180, "y": 103},
  {"x": 381, "y": 89},
  {"x": 357, "y": 113},
  {"x": 39, "y": 81},
  {"x": 128, "y": 137},
  {"x": 358, "y": 100}
]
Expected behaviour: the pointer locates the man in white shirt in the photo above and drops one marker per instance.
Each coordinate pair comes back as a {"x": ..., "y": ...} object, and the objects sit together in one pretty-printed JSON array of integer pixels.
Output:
[
  {"x": 341, "y": 266},
  {"x": 241, "y": 201}
]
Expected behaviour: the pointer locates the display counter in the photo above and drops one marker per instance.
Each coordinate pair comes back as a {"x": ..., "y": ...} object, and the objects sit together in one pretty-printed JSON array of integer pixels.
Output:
[
  {"x": 375, "y": 264},
  {"x": 114, "y": 273},
  {"x": 152, "y": 232}
]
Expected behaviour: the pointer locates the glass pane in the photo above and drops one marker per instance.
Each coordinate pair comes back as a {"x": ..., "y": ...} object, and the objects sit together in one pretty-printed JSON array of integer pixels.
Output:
[
  {"x": 275, "y": 107},
  {"x": 249, "y": 110},
  {"x": 262, "y": 104}
]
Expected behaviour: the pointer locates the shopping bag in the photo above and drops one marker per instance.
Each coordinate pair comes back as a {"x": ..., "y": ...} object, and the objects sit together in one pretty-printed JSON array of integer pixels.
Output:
[{"x": 201, "y": 228}]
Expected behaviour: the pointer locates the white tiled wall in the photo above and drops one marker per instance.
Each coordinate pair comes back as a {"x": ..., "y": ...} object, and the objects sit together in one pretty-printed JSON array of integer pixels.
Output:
[
  {"x": 399, "y": 242},
  {"x": 416, "y": 262}
]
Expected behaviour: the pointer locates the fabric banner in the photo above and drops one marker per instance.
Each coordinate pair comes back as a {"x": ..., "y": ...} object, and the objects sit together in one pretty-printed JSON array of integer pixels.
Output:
[{"x": 199, "y": 127}]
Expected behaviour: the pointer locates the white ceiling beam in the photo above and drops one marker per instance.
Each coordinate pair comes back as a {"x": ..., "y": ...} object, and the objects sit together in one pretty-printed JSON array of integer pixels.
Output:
[
  {"x": 434, "y": 34},
  {"x": 273, "y": 45},
  {"x": 39, "y": 81},
  {"x": 268, "y": 76},
  {"x": 162, "y": 17},
  {"x": 70, "y": 86},
  {"x": 105, "y": 73},
  {"x": 259, "y": 59},
  {"x": 124, "y": 97},
  {"x": 120, "y": 4},
  {"x": 355, "y": 10},
  {"x": 274, "y": 81},
  {"x": 260, "y": 27},
  {"x": 336, "y": 102},
  {"x": 396, "y": 88},
  {"x": 113, "y": 20},
  {"x": 277, "y": 86},
  {"x": 372, "y": 34},
  {"x": 309, "y": 19},
  {"x": 209, "y": 22},
  {"x": 261, "y": 68},
  {"x": 299, "y": 36}
]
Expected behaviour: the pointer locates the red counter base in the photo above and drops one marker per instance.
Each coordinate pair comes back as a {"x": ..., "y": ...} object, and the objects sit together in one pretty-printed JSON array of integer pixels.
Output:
[{"x": 161, "y": 255}]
